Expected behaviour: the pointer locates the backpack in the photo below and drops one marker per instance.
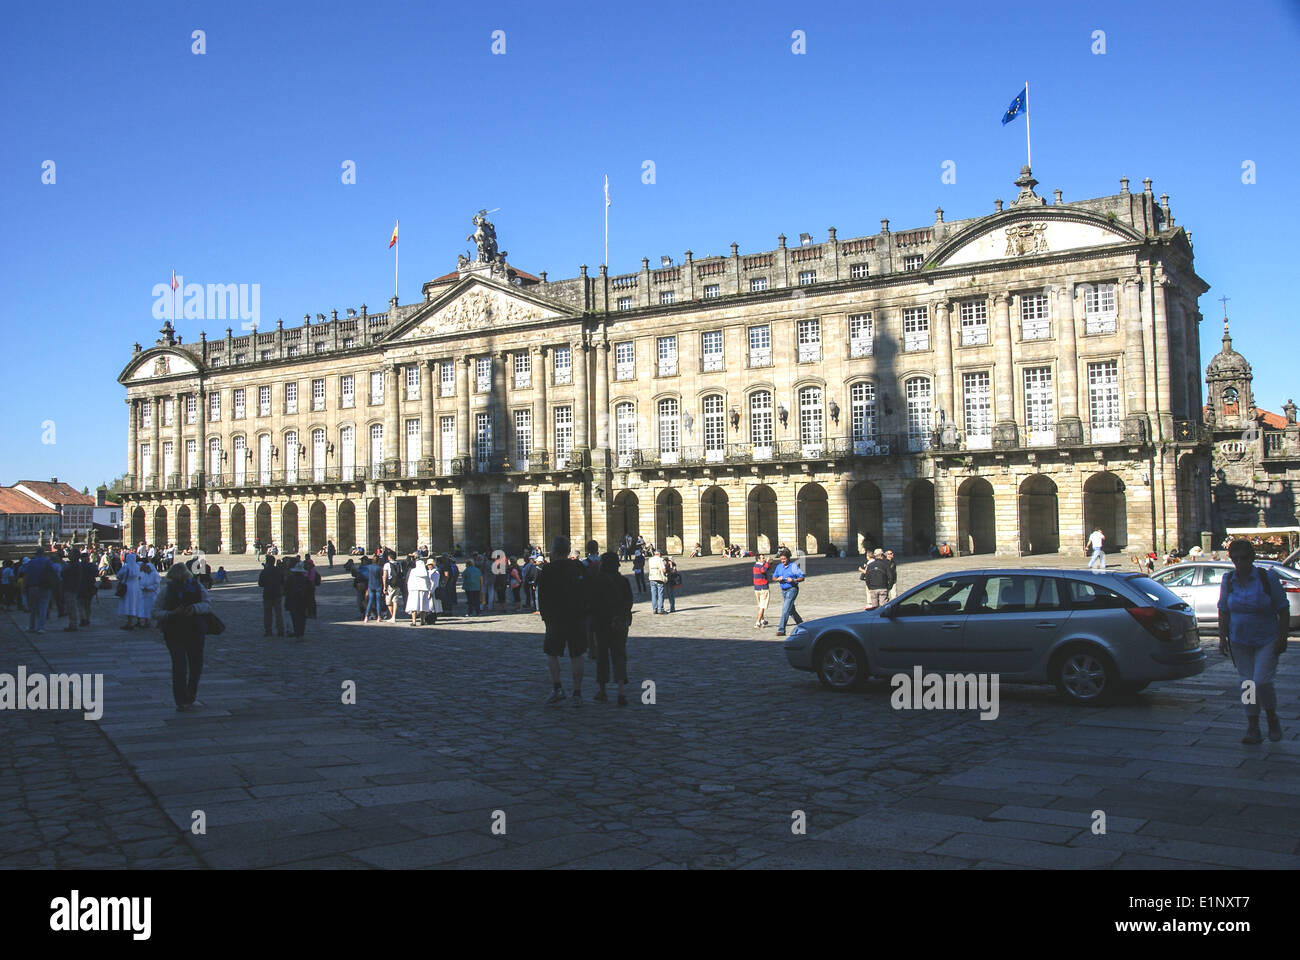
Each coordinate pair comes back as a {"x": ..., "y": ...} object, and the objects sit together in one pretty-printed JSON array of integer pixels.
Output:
[
  {"x": 46, "y": 578},
  {"x": 1263, "y": 580}
]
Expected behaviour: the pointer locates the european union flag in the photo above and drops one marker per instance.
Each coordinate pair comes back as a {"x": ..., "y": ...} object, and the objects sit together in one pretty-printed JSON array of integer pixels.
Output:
[{"x": 1017, "y": 106}]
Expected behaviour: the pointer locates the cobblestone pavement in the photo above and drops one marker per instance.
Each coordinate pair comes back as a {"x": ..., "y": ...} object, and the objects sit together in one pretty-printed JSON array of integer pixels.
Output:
[{"x": 449, "y": 731}]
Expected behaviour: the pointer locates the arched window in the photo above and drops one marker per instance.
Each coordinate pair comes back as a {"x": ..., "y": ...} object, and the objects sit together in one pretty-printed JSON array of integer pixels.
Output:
[
  {"x": 669, "y": 430},
  {"x": 625, "y": 433},
  {"x": 760, "y": 423},
  {"x": 862, "y": 412},
  {"x": 715, "y": 432},
  {"x": 811, "y": 421},
  {"x": 919, "y": 416}
]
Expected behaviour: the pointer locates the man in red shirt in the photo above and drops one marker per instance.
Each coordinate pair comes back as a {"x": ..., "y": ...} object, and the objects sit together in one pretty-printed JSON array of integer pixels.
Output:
[{"x": 762, "y": 572}]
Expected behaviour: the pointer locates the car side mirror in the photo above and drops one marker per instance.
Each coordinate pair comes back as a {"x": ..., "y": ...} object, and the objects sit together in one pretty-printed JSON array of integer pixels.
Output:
[{"x": 889, "y": 611}]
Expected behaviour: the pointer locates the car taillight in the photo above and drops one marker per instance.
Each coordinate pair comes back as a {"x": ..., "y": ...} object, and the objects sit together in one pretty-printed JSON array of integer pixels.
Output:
[
  {"x": 1291, "y": 587},
  {"x": 1153, "y": 621}
]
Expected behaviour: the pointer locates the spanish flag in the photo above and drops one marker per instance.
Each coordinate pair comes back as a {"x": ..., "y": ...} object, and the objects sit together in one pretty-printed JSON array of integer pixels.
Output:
[{"x": 394, "y": 240}]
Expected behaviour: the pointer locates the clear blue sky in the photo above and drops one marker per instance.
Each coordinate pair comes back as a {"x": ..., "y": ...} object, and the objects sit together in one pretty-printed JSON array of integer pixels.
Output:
[{"x": 227, "y": 166}]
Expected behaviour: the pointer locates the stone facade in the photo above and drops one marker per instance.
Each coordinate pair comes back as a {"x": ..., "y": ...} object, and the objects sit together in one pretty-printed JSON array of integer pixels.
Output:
[
  {"x": 1003, "y": 383},
  {"x": 1256, "y": 454}
]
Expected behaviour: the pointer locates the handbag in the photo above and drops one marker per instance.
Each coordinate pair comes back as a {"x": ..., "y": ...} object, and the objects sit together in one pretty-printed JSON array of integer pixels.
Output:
[
  {"x": 213, "y": 625},
  {"x": 121, "y": 589}
]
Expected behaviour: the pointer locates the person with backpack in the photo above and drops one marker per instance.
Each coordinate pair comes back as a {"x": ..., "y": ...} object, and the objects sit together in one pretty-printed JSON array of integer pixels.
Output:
[
  {"x": 516, "y": 578},
  {"x": 86, "y": 588},
  {"x": 875, "y": 575},
  {"x": 180, "y": 609},
  {"x": 657, "y": 573},
  {"x": 1254, "y": 620},
  {"x": 271, "y": 580},
  {"x": 374, "y": 589},
  {"x": 563, "y": 597},
  {"x": 473, "y": 582},
  {"x": 611, "y": 618},
  {"x": 530, "y": 572},
  {"x": 393, "y": 581},
  {"x": 330, "y": 551},
  {"x": 638, "y": 570},
  {"x": 671, "y": 583},
  {"x": 762, "y": 574}
]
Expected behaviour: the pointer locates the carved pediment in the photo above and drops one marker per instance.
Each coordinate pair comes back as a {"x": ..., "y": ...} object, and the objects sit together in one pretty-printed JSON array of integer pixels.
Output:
[
  {"x": 1027, "y": 237},
  {"x": 480, "y": 307},
  {"x": 168, "y": 364}
]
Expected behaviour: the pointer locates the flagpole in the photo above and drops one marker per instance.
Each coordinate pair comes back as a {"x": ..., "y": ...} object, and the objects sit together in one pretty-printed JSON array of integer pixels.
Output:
[
  {"x": 1029, "y": 156},
  {"x": 397, "y": 252},
  {"x": 606, "y": 220}
]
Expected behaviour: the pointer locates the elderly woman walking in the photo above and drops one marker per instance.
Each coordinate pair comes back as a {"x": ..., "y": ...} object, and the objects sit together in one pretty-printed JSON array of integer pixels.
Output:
[
  {"x": 1254, "y": 618},
  {"x": 180, "y": 610},
  {"x": 419, "y": 598}
]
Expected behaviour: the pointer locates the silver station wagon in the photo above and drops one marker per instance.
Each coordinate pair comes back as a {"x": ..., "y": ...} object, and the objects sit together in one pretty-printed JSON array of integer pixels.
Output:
[
  {"x": 1198, "y": 582},
  {"x": 1091, "y": 634}
]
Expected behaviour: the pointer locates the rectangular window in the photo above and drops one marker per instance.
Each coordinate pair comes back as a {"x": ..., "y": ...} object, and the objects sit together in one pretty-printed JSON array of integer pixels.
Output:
[
  {"x": 625, "y": 303},
  {"x": 624, "y": 433},
  {"x": 1103, "y": 401},
  {"x": 447, "y": 433},
  {"x": 447, "y": 378},
  {"x": 811, "y": 419},
  {"x": 913, "y": 262},
  {"x": 977, "y": 405},
  {"x": 293, "y": 349},
  {"x": 413, "y": 447},
  {"x": 376, "y": 448},
  {"x": 347, "y": 390},
  {"x": 238, "y": 359},
  {"x": 624, "y": 357},
  {"x": 916, "y": 328},
  {"x": 861, "y": 335},
  {"x": 974, "y": 322},
  {"x": 862, "y": 417},
  {"x": 239, "y": 403},
  {"x": 317, "y": 347},
  {"x": 1040, "y": 406},
  {"x": 563, "y": 437},
  {"x": 715, "y": 429},
  {"x": 483, "y": 440},
  {"x": 483, "y": 374},
  {"x": 760, "y": 346},
  {"x": 413, "y": 382},
  {"x": 146, "y": 415},
  {"x": 859, "y": 271},
  {"x": 711, "y": 350},
  {"x": 263, "y": 401},
  {"x": 377, "y": 387},
  {"x": 349, "y": 343},
  {"x": 191, "y": 408},
  {"x": 1099, "y": 308},
  {"x": 168, "y": 461},
  {"x": 214, "y": 406},
  {"x": 666, "y": 352},
  {"x": 169, "y": 412},
  {"x": 670, "y": 437},
  {"x": 523, "y": 364},
  {"x": 563, "y": 365},
  {"x": 665, "y": 296},
  {"x": 919, "y": 415},
  {"x": 807, "y": 278},
  {"x": 191, "y": 459},
  {"x": 291, "y": 397},
  {"x": 266, "y": 355},
  {"x": 809, "y": 334},
  {"x": 291, "y": 457},
  {"x": 318, "y": 455},
  {"x": 712, "y": 291},
  {"x": 757, "y": 284},
  {"x": 760, "y": 424},
  {"x": 523, "y": 437},
  {"x": 1035, "y": 317},
  {"x": 146, "y": 459},
  {"x": 318, "y": 393},
  {"x": 264, "y": 459},
  {"x": 347, "y": 453}
]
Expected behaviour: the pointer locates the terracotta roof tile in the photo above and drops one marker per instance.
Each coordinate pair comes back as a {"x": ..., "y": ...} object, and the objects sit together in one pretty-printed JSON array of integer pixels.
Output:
[
  {"x": 59, "y": 492},
  {"x": 15, "y": 502}
]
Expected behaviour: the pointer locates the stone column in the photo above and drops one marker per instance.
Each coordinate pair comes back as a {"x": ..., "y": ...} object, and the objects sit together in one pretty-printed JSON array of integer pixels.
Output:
[
  {"x": 602, "y": 395},
  {"x": 1135, "y": 372},
  {"x": 393, "y": 418},
  {"x": 1005, "y": 433},
  {"x": 428, "y": 381},
  {"x": 178, "y": 436},
  {"x": 1163, "y": 354},
  {"x": 132, "y": 443},
  {"x": 156, "y": 445},
  {"x": 499, "y": 408},
  {"x": 837, "y": 495},
  {"x": 581, "y": 440},
  {"x": 940, "y": 311},
  {"x": 462, "y": 424},
  {"x": 541, "y": 425},
  {"x": 1066, "y": 309}
]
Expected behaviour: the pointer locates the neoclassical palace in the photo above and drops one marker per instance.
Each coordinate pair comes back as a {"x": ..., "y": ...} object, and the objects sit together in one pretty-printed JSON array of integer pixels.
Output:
[{"x": 1004, "y": 383}]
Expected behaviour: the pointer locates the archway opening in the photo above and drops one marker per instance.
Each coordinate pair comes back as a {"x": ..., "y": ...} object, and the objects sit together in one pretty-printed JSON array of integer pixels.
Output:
[
  {"x": 347, "y": 526},
  {"x": 866, "y": 517},
  {"x": 210, "y": 534},
  {"x": 183, "y": 537},
  {"x": 976, "y": 517},
  {"x": 160, "y": 538},
  {"x": 918, "y": 517},
  {"x": 289, "y": 527},
  {"x": 1105, "y": 508},
  {"x": 668, "y": 521},
  {"x": 761, "y": 514},
  {"x": 1039, "y": 528},
  {"x": 262, "y": 524},
  {"x": 715, "y": 520},
  {"x": 238, "y": 534},
  {"x": 812, "y": 518},
  {"x": 316, "y": 527},
  {"x": 624, "y": 517},
  {"x": 137, "y": 527}
]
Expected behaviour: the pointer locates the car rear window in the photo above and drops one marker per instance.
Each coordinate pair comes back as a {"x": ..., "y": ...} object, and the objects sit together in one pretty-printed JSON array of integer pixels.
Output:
[
  {"x": 1158, "y": 592},
  {"x": 1092, "y": 596}
]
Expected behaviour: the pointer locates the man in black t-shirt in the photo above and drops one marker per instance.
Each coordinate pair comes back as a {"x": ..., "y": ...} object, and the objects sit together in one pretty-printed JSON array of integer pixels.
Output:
[{"x": 563, "y": 601}]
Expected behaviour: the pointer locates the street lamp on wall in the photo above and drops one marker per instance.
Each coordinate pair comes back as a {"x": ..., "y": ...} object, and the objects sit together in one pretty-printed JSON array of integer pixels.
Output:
[
  {"x": 782, "y": 413},
  {"x": 835, "y": 412},
  {"x": 735, "y": 419}
]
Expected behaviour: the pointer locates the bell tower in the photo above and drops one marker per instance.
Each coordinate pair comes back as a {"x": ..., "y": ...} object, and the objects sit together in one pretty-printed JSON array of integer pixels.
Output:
[{"x": 1228, "y": 382}]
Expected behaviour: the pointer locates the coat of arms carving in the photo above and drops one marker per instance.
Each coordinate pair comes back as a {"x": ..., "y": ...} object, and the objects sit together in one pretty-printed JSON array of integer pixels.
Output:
[
  {"x": 161, "y": 367},
  {"x": 1026, "y": 238}
]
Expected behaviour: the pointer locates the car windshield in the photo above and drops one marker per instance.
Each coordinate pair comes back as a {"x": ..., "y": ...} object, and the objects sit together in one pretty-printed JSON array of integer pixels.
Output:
[{"x": 1158, "y": 592}]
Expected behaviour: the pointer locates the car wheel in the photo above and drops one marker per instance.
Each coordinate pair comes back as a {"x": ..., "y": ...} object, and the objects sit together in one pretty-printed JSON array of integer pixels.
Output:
[
  {"x": 1085, "y": 675},
  {"x": 841, "y": 664}
]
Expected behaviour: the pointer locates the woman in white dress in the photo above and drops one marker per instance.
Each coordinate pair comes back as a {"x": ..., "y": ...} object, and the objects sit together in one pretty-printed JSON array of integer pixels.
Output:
[
  {"x": 129, "y": 602},
  {"x": 150, "y": 580},
  {"x": 419, "y": 600}
]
